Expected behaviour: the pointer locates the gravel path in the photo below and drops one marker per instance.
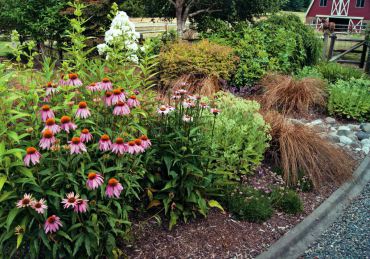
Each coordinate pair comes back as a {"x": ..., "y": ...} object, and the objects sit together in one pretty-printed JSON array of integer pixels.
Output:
[{"x": 349, "y": 235}]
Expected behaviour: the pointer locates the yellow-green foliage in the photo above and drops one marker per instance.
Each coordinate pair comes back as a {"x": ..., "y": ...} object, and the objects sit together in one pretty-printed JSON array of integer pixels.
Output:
[{"x": 202, "y": 59}]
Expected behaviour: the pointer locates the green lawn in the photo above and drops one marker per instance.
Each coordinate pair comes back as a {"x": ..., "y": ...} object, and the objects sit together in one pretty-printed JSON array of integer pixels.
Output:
[
  {"x": 4, "y": 48},
  {"x": 301, "y": 15}
]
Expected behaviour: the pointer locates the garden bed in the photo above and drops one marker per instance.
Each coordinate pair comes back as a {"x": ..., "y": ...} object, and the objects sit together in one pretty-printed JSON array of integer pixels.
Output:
[{"x": 219, "y": 235}]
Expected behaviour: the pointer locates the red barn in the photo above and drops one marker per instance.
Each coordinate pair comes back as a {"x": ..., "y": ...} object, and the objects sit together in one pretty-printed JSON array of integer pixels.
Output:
[{"x": 348, "y": 15}]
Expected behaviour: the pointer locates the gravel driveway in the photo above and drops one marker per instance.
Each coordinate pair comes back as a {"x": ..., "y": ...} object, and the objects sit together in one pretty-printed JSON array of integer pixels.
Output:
[{"x": 349, "y": 235}]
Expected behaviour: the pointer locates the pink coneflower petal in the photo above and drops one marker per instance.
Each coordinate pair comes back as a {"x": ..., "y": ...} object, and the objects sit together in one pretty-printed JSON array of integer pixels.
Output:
[
  {"x": 133, "y": 102},
  {"x": 47, "y": 140},
  {"x": 82, "y": 111},
  {"x": 187, "y": 118},
  {"x": 106, "y": 84},
  {"x": 52, "y": 224},
  {"x": 26, "y": 201},
  {"x": 108, "y": 96},
  {"x": 118, "y": 96},
  {"x": 94, "y": 180},
  {"x": 71, "y": 200},
  {"x": 104, "y": 143},
  {"x": 32, "y": 156},
  {"x": 67, "y": 125},
  {"x": 39, "y": 206},
  {"x": 51, "y": 125},
  {"x": 46, "y": 113},
  {"x": 81, "y": 206},
  {"x": 74, "y": 80},
  {"x": 94, "y": 87},
  {"x": 76, "y": 146},
  {"x": 114, "y": 188},
  {"x": 85, "y": 136},
  {"x": 145, "y": 142},
  {"x": 121, "y": 108},
  {"x": 119, "y": 147},
  {"x": 215, "y": 111}
]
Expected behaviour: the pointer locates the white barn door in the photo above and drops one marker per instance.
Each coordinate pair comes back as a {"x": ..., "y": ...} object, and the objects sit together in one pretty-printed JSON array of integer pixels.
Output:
[{"x": 340, "y": 7}]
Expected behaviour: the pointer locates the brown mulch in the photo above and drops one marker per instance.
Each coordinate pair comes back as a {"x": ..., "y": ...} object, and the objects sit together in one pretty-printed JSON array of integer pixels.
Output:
[{"x": 218, "y": 235}]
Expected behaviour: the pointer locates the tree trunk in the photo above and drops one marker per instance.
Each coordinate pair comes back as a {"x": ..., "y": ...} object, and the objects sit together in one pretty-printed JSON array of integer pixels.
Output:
[{"x": 179, "y": 21}]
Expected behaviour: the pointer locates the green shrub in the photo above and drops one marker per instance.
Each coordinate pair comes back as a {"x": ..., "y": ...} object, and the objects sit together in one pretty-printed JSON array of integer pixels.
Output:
[
  {"x": 350, "y": 99},
  {"x": 249, "y": 204},
  {"x": 203, "y": 58},
  {"x": 240, "y": 136},
  {"x": 290, "y": 42},
  {"x": 334, "y": 72},
  {"x": 308, "y": 71},
  {"x": 287, "y": 201}
]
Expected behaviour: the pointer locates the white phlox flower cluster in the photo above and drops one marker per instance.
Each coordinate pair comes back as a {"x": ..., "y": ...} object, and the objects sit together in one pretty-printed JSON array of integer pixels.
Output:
[{"x": 121, "y": 40}]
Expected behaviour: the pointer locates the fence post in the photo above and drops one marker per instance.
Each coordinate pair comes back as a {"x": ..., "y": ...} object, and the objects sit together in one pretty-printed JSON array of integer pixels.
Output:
[
  {"x": 333, "y": 37},
  {"x": 324, "y": 49},
  {"x": 367, "y": 43}
]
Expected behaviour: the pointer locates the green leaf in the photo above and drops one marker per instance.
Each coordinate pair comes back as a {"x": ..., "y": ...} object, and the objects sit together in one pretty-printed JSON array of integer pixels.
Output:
[
  {"x": 215, "y": 204},
  {"x": 78, "y": 244},
  {"x": 173, "y": 219},
  {"x": 2, "y": 181},
  {"x": 19, "y": 240},
  {"x": 64, "y": 234},
  {"x": 12, "y": 214}
]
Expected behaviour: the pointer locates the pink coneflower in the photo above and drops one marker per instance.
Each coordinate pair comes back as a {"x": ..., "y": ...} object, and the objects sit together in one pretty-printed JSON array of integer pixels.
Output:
[
  {"x": 187, "y": 118},
  {"x": 203, "y": 105},
  {"x": 170, "y": 108},
  {"x": 137, "y": 92},
  {"x": 47, "y": 140},
  {"x": 62, "y": 81},
  {"x": 32, "y": 156},
  {"x": 106, "y": 84},
  {"x": 215, "y": 111},
  {"x": 39, "y": 206},
  {"x": 82, "y": 111},
  {"x": 52, "y": 224},
  {"x": 85, "y": 136},
  {"x": 119, "y": 147},
  {"x": 46, "y": 112},
  {"x": 67, "y": 125},
  {"x": 188, "y": 104},
  {"x": 93, "y": 87},
  {"x": 46, "y": 99},
  {"x": 114, "y": 188},
  {"x": 118, "y": 96},
  {"x": 121, "y": 108},
  {"x": 76, "y": 146},
  {"x": 133, "y": 101},
  {"x": 74, "y": 80},
  {"x": 81, "y": 206},
  {"x": 176, "y": 97},
  {"x": 108, "y": 96},
  {"x": 51, "y": 89},
  {"x": 104, "y": 143},
  {"x": 71, "y": 200},
  {"x": 145, "y": 142},
  {"x": 163, "y": 110},
  {"x": 51, "y": 125},
  {"x": 134, "y": 147},
  {"x": 94, "y": 180},
  {"x": 26, "y": 201},
  {"x": 182, "y": 91}
]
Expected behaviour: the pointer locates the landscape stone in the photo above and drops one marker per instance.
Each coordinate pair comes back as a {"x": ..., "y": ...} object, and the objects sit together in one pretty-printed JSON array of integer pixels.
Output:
[
  {"x": 353, "y": 126},
  {"x": 365, "y": 127},
  {"x": 333, "y": 137},
  {"x": 316, "y": 122},
  {"x": 345, "y": 140},
  {"x": 330, "y": 120},
  {"x": 362, "y": 135},
  {"x": 343, "y": 132},
  {"x": 366, "y": 149},
  {"x": 344, "y": 128},
  {"x": 365, "y": 142},
  {"x": 297, "y": 122}
]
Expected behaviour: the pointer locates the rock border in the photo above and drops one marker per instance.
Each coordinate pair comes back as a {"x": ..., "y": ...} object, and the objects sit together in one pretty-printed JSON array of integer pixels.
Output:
[{"x": 296, "y": 241}]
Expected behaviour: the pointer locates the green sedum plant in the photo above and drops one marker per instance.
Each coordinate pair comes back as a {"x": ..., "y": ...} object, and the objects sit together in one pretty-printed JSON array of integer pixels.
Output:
[
  {"x": 350, "y": 99},
  {"x": 240, "y": 136},
  {"x": 333, "y": 72}
]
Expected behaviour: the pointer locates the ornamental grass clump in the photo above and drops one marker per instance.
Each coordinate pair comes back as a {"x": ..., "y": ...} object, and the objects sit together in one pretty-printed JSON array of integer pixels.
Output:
[
  {"x": 296, "y": 148},
  {"x": 293, "y": 96}
]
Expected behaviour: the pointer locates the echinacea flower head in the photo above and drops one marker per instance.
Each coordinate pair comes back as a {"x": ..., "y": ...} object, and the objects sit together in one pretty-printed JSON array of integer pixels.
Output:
[
  {"x": 32, "y": 156},
  {"x": 118, "y": 96},
  {"x": 62, "y": 81},
  {"x": 19, "y": 230},
  {"x": 187, "y": 118},
  {"x": 119, "y": 146},
  {"x": 188, "y": 104},
  {"x": 71, "y": 200},
  {"x": 46, "y": 113},
  {"x": 47, "y": 139},
  {"x": 52, "y": 224},
  {"x": 106, "y": 84},
  {"x": 82, "y": 111},
  {"x": 67, "y": 125},
  {"x": 139, "y": 146},
  {"x": 114, "y": 188},
  {"x": 51, "y": 89},
  {"x": 203, "y": 105},
  {"x": 104, "y": 143},
  {"x": 215, "y": 111},
  {"x": 74, "y": 80},
  {"x": 76, "y": 146},
  {"x": 176, "y": 97},
  {"x": 145, "y": 142},
  {"x": 81, "y": 206},
  {"x": 136, "y": 92},
  {"x": 94, "y": 87},
  {"x": 108, "y": 96},
  {"x": 39, "y": 206},
  {"x": 133, "y": 101},
  {"x": 134, "y": 147},
  {"x": 182, "y": 91},
  {"x": 121, "y": 108},
  {"x": 51, "y": 125},
  {"x": 85, "y": 136},
  {"x": 163, "y": 110},
  {"x": 26, "y": 201},
  {"x": 94, "y": 180}
]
